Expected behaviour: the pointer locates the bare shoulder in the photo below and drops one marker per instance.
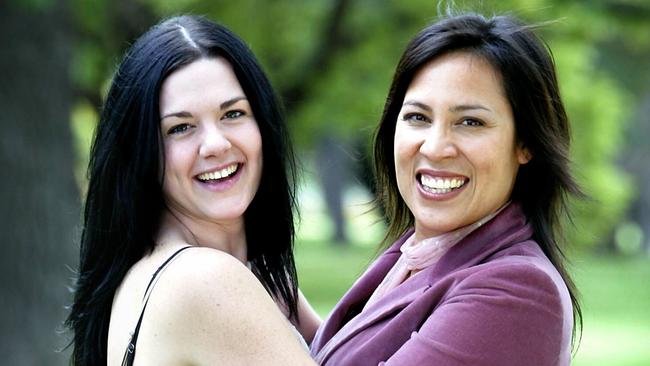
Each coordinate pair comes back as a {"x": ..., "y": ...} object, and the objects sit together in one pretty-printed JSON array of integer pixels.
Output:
[
  {"x": 210, "y": 270},
  {"x": 209, "y": 308},
  {"x": 203, "y": 280}
]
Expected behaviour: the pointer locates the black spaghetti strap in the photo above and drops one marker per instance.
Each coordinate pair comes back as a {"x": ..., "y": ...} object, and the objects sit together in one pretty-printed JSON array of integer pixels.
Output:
[{"x": 129, "y": 354}]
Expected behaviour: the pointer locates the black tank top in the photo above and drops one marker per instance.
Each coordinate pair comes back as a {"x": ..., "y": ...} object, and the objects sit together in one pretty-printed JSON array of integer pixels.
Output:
[{"x": 129, "y": 354}]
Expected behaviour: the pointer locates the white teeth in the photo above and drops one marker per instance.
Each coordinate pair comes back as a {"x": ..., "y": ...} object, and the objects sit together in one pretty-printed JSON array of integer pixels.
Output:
[
  {"x": 440, "y": 185},
  {"x": 223, "y": 173}
]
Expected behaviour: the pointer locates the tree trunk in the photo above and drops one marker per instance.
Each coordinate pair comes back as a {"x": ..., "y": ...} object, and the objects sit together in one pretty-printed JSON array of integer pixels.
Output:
[
  {"x": 40, "y": 202},
  {"x": 333, "y": 167}
]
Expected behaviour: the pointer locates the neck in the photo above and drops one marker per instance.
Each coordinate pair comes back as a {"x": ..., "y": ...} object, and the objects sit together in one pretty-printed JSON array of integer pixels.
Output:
[
  {"x": 460, "y": 232},
  {"x": 229, "y": 237}
]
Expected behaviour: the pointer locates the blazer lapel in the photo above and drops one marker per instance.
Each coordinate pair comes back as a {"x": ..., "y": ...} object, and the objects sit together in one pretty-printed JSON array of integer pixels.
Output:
[
  {"x": 392, "y": 303},
  {"x": 508, "y": 227},
  {"x": 356, "y": 296}
]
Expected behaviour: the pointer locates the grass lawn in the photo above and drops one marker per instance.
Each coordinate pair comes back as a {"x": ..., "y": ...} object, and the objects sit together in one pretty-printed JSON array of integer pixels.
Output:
[
  {"x": 325, "y": 272},
  {"x": 616, "y": 309},
  {"x": 615, "y": 296}
]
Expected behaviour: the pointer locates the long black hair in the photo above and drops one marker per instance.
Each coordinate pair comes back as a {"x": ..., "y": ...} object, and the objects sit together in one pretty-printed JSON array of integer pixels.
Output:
[
  {"x": 124, "y": 200},
  {"x": 544, "y": 184}
]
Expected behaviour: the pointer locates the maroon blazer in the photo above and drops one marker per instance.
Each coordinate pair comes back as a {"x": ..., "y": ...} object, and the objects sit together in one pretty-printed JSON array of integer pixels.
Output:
[{"x": 492, "y": 299}]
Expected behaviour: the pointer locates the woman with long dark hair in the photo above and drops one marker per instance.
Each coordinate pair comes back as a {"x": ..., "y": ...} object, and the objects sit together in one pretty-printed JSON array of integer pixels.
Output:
[
  {"x": 188, "y": 221},
  {"x": 472, "y": 167}
]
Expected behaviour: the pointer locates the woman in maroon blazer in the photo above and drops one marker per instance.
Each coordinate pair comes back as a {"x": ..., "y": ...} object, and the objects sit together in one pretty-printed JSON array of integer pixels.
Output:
[{"x": 472, "y": 165}]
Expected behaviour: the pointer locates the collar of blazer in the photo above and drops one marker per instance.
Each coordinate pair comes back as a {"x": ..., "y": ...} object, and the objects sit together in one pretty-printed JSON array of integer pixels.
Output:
[{"x": 509, "y": 227}]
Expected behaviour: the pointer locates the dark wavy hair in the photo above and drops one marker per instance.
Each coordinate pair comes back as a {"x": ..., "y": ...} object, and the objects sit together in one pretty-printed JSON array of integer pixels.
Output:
[
  {"x": 124, "y": 200},
  {"x": 544, "y": 184}
]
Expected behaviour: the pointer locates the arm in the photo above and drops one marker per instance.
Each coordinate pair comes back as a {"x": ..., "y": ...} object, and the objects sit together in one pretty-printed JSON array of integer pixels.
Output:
[
  {"x": 508, "y": 315},
  {"x": 221, "y": 315},
  {"x": 309, "y": 319}
]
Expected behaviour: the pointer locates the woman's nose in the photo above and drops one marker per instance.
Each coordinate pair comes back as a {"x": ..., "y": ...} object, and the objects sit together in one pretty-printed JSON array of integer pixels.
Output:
[
  {"x": 213, "y": 142},
  {"x": 438, "y": 144}
]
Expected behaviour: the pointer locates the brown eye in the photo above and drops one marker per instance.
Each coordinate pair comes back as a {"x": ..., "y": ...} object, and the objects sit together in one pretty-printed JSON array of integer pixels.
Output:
[
  {"x": 471, "y": 122},
  {"x": 415, "y": 117}
]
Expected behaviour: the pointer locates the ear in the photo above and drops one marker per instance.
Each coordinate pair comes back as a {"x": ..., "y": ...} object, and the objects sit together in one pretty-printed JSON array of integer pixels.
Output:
[{"x": 523, "y": 154}]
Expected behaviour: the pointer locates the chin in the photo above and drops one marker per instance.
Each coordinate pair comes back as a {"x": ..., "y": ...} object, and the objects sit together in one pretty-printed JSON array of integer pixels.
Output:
[
  {"x": 227, "y": 216},
  {"x": 433, "y": 226}
]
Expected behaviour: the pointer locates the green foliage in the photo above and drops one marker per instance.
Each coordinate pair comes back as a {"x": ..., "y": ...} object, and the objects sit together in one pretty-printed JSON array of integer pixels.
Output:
[
  {"x": 345, "y": 96},
  {"x": 82, "y": 125},
  {"x": 39, "y": 6},
  {"x": 282, "y": 34},
  {"x": 89, "y": 67},
  {"x": 596, "y": 108}
]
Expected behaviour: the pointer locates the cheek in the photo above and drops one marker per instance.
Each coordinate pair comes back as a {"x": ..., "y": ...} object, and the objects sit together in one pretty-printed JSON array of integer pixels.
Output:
[
  {"x": 402, "y": 148},
  {"x": 255, "y": 146},
  {"x": 258, "y": 151},
  {"x": 496, "y": 172},
  {"x": 490, "y": 163},
  {"x": 174, "y": 158},
  {"x": 403, "y": 176},
  {"x": 178, "y": 166},
  {"x": 405, "y": 150},
  {"x": 252, "y": 143}
]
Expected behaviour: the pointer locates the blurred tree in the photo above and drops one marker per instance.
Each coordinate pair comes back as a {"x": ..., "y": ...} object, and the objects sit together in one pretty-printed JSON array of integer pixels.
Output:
[
  {"x": 332, "y": 61},
  {"x": 299, "y": 59},
  {"x": 55, "y": 55},
  {"x": 102, "y": 32},
  {"x": 627, "y": 55},
  {"x": 40, "y": 204},
  {"x": 603, "y": 54},
  {"x": 346, "y": 100}
]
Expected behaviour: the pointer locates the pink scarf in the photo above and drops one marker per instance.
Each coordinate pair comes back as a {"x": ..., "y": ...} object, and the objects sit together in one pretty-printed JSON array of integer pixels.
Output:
[{"x": 419, "y": 255}]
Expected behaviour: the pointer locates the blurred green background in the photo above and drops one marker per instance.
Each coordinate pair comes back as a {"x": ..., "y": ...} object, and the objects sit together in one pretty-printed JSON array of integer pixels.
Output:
[{"x": 331, "y": 61}]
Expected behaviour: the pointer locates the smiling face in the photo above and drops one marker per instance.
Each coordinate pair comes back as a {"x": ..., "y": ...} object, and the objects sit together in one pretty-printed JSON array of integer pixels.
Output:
[
  {"x": 456, "y": 158},
  {"x": 213, "y": 147}
]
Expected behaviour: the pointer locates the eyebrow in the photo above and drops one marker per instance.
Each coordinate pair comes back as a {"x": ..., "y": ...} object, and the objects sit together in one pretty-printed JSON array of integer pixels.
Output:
[
  {"x": 232, "y": 101},
  {"x": 454, "y": 109},
  {"x": 418, "y": 104},
  {"x": 222, "y": 106},
  {"x": 468, "y": 107}
]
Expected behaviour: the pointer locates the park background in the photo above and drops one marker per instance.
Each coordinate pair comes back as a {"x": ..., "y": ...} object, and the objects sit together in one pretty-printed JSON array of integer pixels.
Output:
[{"x": 331, "y": 61}]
